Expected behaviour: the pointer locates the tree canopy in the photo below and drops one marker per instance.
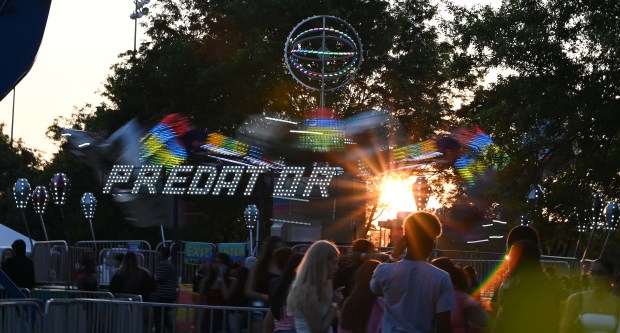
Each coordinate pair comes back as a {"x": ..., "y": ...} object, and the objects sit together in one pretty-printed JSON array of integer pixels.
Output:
[
  {"x": 554, "y": 105},
  {"x": 541, "y": 77}
]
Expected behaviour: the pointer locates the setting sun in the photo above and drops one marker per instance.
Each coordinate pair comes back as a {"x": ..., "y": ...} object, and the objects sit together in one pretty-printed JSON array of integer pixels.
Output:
[{"x": 397, "y": 196}]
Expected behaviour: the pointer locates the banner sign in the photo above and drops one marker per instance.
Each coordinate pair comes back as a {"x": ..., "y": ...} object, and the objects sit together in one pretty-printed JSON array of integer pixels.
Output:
[
  {"x": 133, "y": 246},
  {"x": 208, "y": 180},
  {"x": 199, "y": 251},
  {"x": 236, "y": 251}
]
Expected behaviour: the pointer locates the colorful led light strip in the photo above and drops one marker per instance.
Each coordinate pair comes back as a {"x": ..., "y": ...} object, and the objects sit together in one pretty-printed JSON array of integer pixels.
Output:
[
  {"x": 223, "y": 145},
  {"x": 331, "y": 129},
  {"x": 415, "y": 151},
  {"x": 342, "y": 72},
  {"x": 330, "y": 53},
  {"x": 325, "y": 29},
  {"x": 162, "y": 144}
]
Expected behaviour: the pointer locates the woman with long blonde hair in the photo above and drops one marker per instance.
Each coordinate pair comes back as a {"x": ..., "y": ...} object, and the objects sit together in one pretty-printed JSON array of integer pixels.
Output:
[{"x": 312, "y": 301}]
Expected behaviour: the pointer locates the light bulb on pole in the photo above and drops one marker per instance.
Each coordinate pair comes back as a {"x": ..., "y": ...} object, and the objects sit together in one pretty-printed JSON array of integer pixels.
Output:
[
  {"x": 612, "y": 215},
  {"x": 524, "y": 220},
  {"x": 89, "y": 205},
  {"x": 534, "y": 196},
  {"x": 59, "y": 188},
  {"x": 582, "y": 227},
  {"x": 21, "y": 193},
  {"x": 251, "y": 221},
  {"x": 39, "y": 201},
  {"x": 421, "y": 192},
  {"x": 139, "y": 11},
  {"x": 598, "y": 202}
]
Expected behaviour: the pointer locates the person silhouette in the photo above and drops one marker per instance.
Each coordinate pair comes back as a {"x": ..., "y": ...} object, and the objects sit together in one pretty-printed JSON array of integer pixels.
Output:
[{"x": 19, "y": 268}]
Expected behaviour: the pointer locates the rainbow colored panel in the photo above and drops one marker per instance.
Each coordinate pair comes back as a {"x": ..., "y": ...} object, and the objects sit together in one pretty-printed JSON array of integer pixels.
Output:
[
  {"x": 223, "y": 145},
  {"x": 162, "y": 144}
]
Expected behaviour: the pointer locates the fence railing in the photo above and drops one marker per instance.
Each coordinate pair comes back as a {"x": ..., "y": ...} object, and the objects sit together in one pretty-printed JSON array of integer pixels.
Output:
[
  {"x": 21, "y": 316},
  {"x": 104, "y": 315},
  {"x": 58, "y": 264}
]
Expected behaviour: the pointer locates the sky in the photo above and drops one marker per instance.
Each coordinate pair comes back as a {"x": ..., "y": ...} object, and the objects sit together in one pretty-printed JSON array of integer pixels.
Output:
[{"x": 81, "y": 42}]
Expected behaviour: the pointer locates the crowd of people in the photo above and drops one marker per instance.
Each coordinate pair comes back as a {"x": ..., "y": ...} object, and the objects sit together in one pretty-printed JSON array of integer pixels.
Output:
[{"x": 321, "y": 290}]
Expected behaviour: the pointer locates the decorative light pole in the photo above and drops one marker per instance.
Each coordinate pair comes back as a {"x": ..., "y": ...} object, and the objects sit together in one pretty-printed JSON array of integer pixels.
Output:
[
  {"x": 21, "y": 193},
  {"x": 59, "y": 188},
  {"x": 598, "y": 203},
  {"x": 582, "y": 227},
  {"x": 421, "y": 192},
  {"x": 251, "y": 221},
  {"x": 39, "y": 201},
  {"x": 89, "y": 205},
  {"x": 138, "y": 12},
  {"x": 534, "y": 196},
  {"x": 612, "y": 215},
  {"x": 524, "y": 219}
]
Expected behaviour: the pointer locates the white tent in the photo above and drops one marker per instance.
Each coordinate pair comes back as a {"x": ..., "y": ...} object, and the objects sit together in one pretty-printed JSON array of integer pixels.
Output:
[{"x": 8, "y": 236}]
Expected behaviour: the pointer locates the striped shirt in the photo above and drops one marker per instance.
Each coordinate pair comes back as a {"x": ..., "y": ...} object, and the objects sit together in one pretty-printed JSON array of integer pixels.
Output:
[{"x": 167, "y": 281}]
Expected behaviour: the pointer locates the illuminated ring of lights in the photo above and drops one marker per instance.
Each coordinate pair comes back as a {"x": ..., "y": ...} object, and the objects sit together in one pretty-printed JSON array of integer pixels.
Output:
[{"x": 323, "y": 53}]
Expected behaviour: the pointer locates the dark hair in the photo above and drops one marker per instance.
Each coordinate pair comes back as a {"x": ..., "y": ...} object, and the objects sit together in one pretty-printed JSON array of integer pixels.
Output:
[
  {"x": 88, "y": 257},
  {"x": 281, "y": 256},
  {"x": 525, "y": 256},
  {"x": 261, "y": 269},
  {"x": 90, "y": 266},
  {"x": 521, "y": 232},
  {"x": 119, "y": 257},
  {"x": 457, "y": 275},
  {"x": 357, "y": 307},
  {"x": 19, "y": 247},
  {"x": 278, "y": 298},
  {"x": 224, "y": 258},
  {"x": 130, "y": 271},
  {"x": 164, "y": 252},
  {"x": 241, "y": 273},
  {"x": 421, "y": 229},
  {"x": 211, "y": 276},
  {"x": 362, "y": 245},
  {"x": 470, "y": 271}
]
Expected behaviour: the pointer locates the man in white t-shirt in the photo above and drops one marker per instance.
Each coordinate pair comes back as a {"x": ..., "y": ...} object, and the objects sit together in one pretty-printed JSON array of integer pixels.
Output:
[{"x": 418, "y": 296}]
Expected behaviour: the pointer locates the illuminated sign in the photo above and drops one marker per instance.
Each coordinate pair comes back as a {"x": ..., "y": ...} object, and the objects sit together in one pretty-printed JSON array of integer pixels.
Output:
[
  {"x": 236, "y": 251},
  {"x": 208, "y": 180},
  {"x": 199, "y": 251}
]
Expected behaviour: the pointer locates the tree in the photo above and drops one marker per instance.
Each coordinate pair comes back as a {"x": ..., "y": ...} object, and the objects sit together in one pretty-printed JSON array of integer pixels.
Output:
[
  {"x": 554, "y": 105},
  {"x": 17, "y": 162},
  {"x": 220, "y": 62}
]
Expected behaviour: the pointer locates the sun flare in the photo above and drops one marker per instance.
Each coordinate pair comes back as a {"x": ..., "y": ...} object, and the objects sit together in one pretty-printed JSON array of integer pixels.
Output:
[{"x": 397, "y": 196}]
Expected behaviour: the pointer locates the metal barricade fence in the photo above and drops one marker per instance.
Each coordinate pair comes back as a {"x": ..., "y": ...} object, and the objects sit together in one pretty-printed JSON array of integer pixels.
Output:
[
  {"x": 186, "y": 267},
  {"x": 489, "y": 266},
  {"x": 21, "y": 316},
  {"x": 88, "y": 315},
  {"x": 51, "y": 263},
  {"x": 4, "y": 294},
  {"x": 104, "y": 251},
  {"x": 46, "y": 294},
  {"x": 562, "y": 265}
]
